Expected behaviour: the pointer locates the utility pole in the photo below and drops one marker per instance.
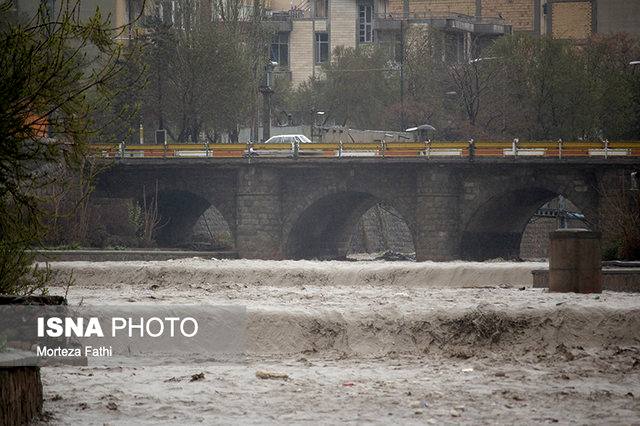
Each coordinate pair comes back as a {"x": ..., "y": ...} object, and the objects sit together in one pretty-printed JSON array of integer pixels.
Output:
[
  {"x": 267, "y": 90},
  {"x": 403, "y": 123}
]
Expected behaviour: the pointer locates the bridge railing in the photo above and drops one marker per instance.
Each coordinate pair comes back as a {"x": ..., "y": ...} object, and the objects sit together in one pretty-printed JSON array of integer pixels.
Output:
[{"x": 427, "y": 149}]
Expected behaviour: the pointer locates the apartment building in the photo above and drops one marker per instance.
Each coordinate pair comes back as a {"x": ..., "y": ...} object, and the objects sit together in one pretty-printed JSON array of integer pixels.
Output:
[
  {"x": 307, "y": 32},
  {"x": 572, "y": 19}
]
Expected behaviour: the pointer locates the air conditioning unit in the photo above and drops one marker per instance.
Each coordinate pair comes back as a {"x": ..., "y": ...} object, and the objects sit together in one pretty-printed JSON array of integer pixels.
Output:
[{"x": 161, "y": 137}]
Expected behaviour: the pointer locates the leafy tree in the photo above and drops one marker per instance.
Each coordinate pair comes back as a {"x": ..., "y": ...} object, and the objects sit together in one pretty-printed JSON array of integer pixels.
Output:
[
  {"x": 541, "y": 80},
  {"x": 613, "y": 86},
  {"x": 202, "y": 75},
  {"x": 359, "y": 85},
  {"x": 426, "y": 78},
  {"x": 57, "y": 72}
]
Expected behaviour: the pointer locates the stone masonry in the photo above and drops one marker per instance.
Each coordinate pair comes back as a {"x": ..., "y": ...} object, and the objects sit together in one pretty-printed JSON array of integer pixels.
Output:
[{"x": 310, "y": 208}]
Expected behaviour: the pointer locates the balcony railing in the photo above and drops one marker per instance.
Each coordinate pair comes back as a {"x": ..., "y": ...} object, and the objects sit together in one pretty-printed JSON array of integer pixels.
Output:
[
  {"x": 398, "y": 16},
  {"x": 450, "y": 22},
  {"x": 288, "y": 15}
]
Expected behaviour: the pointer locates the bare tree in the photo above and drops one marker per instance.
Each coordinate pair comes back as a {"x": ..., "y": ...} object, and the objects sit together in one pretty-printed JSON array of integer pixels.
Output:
[{"x": 620, "y": 211}]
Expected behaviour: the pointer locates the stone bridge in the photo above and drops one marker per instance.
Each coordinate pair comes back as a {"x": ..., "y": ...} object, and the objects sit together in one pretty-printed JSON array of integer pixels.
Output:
[{"x": 307, "y": 208}]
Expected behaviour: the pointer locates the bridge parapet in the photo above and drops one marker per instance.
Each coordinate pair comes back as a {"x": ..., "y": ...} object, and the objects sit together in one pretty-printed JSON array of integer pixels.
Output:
[{"x": 381, "y": 149}]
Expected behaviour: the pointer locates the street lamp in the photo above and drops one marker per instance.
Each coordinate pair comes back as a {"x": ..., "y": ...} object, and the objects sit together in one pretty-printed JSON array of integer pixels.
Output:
[
  {"x": 316, "y": 117},
  {"x": 267, "y": 90}
]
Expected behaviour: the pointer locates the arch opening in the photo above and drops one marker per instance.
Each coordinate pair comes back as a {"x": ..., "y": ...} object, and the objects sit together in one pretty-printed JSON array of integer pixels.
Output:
[
  {"x": 381, "y": 229},
  {"x": 496, "y": 230},
  {"x": 212, "y": 232},
  {"x": 557, "y": 213},
  {"x": 178, "y": 212},
  {"x": 328, "y": 228}
]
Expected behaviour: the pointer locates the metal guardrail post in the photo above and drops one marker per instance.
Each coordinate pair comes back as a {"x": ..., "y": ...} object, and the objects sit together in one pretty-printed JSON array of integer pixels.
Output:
[
  {"x": 206, "y": 149},
  {"x": 606, "y": 148},
  {"x": 560, "y": 149},
  {"x": 472, "y": 149},
  {"x": 340, "y": 149},
  {"x": 121, "y": 148},
  {"x": 295, "y": 147},
  {"x": 428, "y": 148},
  {"x": 515, "y": 147}
]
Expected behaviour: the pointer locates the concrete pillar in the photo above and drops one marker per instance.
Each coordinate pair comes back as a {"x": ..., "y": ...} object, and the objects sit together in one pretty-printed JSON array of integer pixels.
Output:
[
  {"x": 259, "y": 215},
  {"x": 575, "y": 261},
  {"x": 437, "y": 231}
]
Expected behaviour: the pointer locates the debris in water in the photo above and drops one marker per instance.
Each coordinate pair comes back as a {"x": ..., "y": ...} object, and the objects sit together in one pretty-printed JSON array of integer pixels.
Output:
[
  {"x": 268, "y": 375},
  {"x": 482, "y": 324},
  {"x": 562, "y": 350},
  {"x": 396, "y": 256},
  {"x": 112, "y": 406},
  {"x": 196, "y": 377}
]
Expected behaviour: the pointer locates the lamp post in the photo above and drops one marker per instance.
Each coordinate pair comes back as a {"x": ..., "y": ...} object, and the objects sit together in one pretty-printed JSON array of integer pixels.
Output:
[
  {"x": 318, "y": 115},
  {"x": 266, "y": 88},
  {"x": 403, "y": 121}
]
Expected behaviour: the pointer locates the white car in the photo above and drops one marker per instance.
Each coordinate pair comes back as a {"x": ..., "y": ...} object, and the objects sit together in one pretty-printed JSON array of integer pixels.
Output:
[
  {"x": 294, "y": 141},
  {"x": 288, "y": 139}
]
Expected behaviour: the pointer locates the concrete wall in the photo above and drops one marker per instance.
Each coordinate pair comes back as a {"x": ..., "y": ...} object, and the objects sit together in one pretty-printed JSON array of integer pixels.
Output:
[
  {"x": 301, "y": 61},
  {"x": 613, "y": 279},
  {"x": 343, "y": 15}
]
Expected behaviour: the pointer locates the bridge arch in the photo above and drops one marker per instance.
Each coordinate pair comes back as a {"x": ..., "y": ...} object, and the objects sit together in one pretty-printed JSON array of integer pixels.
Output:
[
  {"x": 178, "y": 212},
  {"x": 324, "y": 226},
  {"x": 495, "y": 228}
]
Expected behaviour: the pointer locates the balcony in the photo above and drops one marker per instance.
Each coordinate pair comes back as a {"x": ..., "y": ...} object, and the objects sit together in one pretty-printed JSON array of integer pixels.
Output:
[{"x": 450, "y": 23}]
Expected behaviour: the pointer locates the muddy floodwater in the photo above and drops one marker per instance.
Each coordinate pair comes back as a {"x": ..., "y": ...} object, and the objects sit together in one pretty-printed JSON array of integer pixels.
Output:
[{"x": 360, "y": 342}]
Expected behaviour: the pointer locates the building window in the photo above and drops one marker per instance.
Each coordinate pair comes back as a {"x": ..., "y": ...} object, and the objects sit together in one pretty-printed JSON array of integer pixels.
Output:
[
  {"x": 321, "y": 8},
  {"x": 280, "y": 49},
  {"x": 365, "y": 22},
  {"x": 322, "y": 48}
]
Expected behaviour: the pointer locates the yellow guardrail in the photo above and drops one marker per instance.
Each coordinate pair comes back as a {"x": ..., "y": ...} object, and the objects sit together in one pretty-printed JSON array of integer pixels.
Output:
[
  {"x": 558, "y": 149},
  {"x": 361, "y": 146},
  {"x": 272, "y": 146}
]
